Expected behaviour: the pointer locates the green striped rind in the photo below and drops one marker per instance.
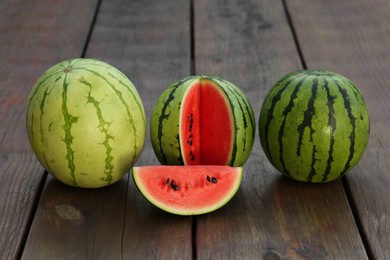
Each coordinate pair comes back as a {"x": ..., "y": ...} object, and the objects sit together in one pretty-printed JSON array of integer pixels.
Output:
[
  {"x": 86, "y": 122},
  {"x": 164, "y": 129},
  {"x": 244, "y": 122},
  {"x": 165, "y": 118},
  {"x": 314, "y": 125}
]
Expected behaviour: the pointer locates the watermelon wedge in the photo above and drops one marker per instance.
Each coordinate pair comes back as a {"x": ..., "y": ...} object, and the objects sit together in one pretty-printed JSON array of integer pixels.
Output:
[{"x": 188, "y": 190}]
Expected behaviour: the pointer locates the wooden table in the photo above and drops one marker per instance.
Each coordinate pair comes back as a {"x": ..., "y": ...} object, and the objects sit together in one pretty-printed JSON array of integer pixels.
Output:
[{"x": 250, "y": 43}]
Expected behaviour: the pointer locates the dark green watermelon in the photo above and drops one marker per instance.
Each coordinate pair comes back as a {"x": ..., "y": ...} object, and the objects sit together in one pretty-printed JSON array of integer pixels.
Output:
[{"x": 314, "y": 125}]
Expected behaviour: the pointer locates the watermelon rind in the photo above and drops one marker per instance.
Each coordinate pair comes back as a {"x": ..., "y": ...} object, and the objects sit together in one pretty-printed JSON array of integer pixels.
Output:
[{"x": 136, "y": 174}]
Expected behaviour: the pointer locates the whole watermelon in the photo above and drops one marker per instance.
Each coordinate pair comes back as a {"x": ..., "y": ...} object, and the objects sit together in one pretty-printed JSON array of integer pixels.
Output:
[
  {"x": 314, "y": 125},
  {"x": 85, "y": 122}
]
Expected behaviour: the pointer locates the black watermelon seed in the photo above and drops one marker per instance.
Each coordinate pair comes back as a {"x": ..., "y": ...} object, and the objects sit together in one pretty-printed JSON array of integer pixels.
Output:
[
  {"x": 192, "y": 158},
  {"x": 214, "y": 180},
  {"x": 174, "y": 186},
  {"x": 208, "y": 178},
  {"x": 167, "y": 181}
]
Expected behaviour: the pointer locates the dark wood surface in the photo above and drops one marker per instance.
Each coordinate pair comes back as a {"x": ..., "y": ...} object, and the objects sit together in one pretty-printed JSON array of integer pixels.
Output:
[
  {"x": 33, "y": 36},
  {"x": 250, "y": 43}
]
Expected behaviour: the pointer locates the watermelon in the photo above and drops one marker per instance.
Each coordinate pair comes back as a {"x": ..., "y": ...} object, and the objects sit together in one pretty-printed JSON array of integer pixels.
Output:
[
  {"x": 314, "y": 125},
  {"x": 188, "y": 190},
  {"x": 202, "y": 120},
  {"x": 85, "y": 122}
]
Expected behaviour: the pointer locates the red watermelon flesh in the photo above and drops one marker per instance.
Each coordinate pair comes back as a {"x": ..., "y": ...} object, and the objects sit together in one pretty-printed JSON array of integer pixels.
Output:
[
  {"x": 188, "y": 190},
  {"x": 206, "y": 125}
]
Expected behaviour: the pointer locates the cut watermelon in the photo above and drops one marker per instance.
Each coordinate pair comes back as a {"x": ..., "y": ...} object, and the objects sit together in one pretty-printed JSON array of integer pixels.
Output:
[
  {"x": 188, "y": 190},
  {"x": 207, "y": 125},
  {"x": 202, "y": 120}
]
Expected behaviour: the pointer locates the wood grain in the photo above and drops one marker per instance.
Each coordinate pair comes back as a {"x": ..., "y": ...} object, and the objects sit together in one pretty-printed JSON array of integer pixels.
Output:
[
  {"x": 34, "y": 35},
  {"x": 146, "y": 42},
  {"x": 76, "y": 223},
  {"x": 250, "y": 43},
  {"x": 352, "y": 38},
  {"x": 21, "y": 178}
]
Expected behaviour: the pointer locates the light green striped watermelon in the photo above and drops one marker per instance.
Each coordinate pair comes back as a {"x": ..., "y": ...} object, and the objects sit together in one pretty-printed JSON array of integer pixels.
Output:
[
  {"x": 202, "y": 120},
  {"x": 314, "y": 125},
  {"x": 85, "y": 122}
]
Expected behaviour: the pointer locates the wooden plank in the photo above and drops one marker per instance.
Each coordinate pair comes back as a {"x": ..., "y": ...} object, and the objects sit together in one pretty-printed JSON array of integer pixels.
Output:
[
  {"x": 352, "y": 38},
  {"x": 76, "y": 223},
  {"x": 250, "y": 44},
  {"x": 368, "y": 185},
  {"x": 145, "y": 41},
  {"x": 20, "y": 175},
  {"x": 30, "y": 42}
]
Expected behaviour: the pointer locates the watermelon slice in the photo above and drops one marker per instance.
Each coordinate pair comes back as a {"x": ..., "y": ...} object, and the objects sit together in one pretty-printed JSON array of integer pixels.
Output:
[{"x": 188, "y": 190}]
